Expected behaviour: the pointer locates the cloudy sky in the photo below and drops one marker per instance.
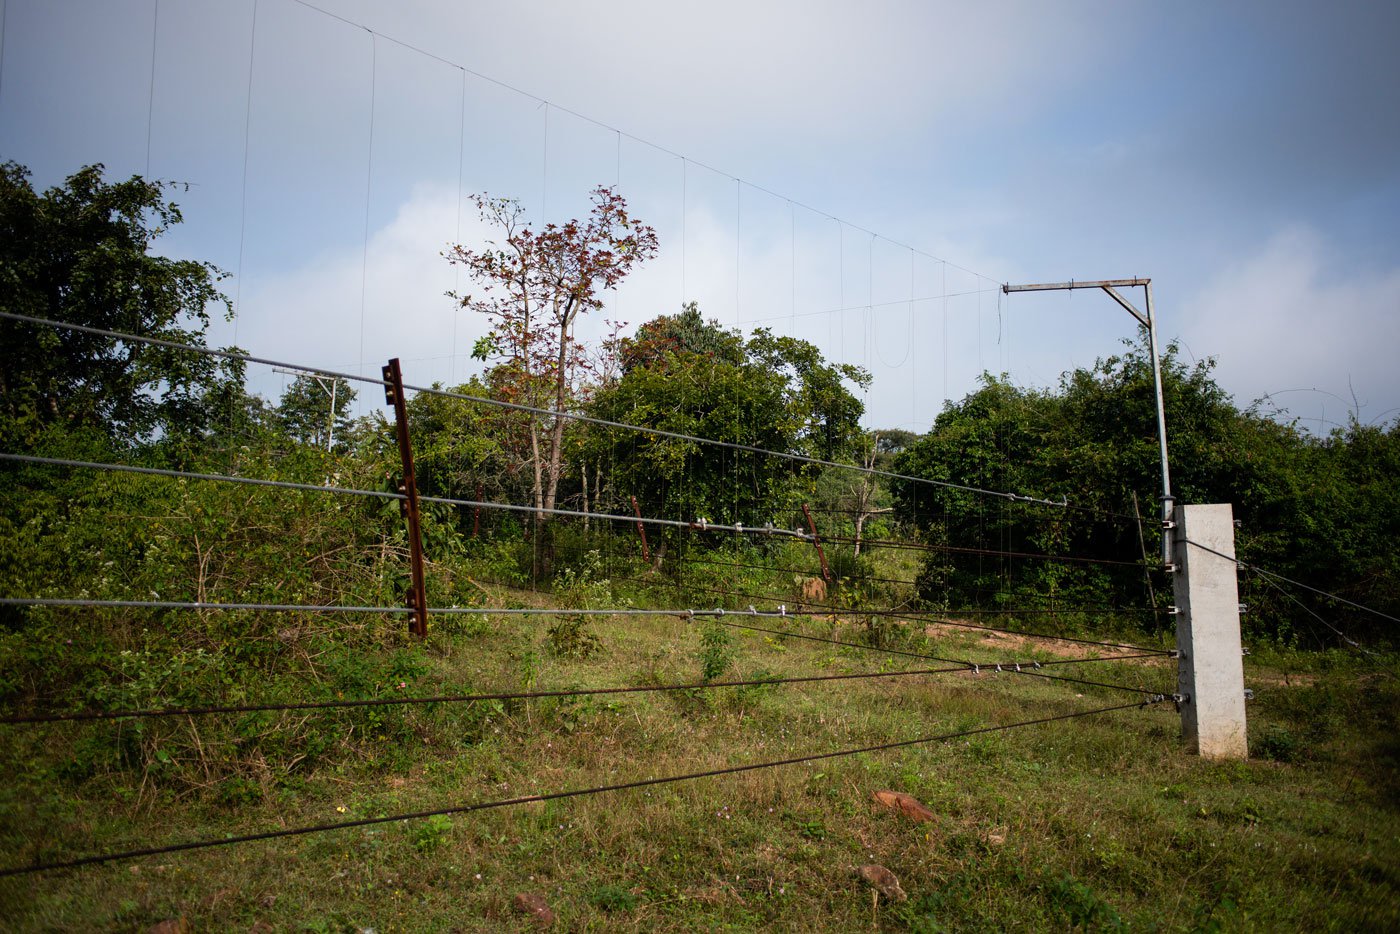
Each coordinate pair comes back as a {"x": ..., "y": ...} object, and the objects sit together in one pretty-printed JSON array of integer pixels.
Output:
[{"x": 860, "y": 175}]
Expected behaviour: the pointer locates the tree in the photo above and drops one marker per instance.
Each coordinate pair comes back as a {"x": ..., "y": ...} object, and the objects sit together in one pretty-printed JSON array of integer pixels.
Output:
[
  {"x": 684, "y": 375},
  {"x": 80, "y": 253},
  {"x": 536, "y": 285},
  {"x": 315, "y": 409}
]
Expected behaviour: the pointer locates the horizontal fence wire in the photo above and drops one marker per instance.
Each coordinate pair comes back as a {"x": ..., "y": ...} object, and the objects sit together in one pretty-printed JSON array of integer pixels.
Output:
[
  {"x": 896, "y": 545},
  {"x": 79, "y": 716},
  {"x": 766, "y": 529},
  {"x": 38, "y": 866},
  {"x": 572, "y": 416},
  {"x": 822, "y": 609},
  {"x": 717, "y": 613}
]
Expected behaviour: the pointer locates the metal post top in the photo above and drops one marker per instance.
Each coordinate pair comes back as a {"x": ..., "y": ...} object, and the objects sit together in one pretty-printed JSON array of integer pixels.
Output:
[{"x": 1077, "y": 284}]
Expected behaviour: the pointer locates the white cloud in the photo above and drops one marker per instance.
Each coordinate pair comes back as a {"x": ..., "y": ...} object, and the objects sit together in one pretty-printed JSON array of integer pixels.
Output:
[
  {"x": 312, "y": 314},
  {"x": 1282, "y": 318}
]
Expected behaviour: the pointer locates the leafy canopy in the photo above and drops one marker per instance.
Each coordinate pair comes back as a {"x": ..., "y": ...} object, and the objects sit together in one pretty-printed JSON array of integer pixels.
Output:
[{"x": 81, "y": 253}]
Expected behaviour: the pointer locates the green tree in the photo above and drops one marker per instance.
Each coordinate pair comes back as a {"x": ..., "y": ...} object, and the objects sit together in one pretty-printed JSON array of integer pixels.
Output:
[
  {"x": 315, "y": 410},
  {"x": 80, "y": 253},
  {"x": 687, "y": 376},
  {"x": 1091, "y": 443}
]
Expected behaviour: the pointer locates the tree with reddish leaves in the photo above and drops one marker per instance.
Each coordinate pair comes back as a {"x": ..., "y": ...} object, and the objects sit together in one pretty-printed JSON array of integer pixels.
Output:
[{"x": 534, "y": 285}]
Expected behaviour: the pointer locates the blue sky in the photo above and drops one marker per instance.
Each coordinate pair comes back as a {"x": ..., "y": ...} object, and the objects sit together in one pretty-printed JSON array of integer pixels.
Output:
[{"x": 1246, "y": 156}]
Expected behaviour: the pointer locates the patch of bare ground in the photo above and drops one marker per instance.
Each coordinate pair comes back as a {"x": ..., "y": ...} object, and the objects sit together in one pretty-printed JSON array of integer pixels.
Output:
[{"x": 1015, "y": 642}]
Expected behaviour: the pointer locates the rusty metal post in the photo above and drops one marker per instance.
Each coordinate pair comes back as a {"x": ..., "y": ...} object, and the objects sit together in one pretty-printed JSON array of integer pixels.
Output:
[
  {"x": 417, "y": 591},
  {"x": 641, "y": 530},
  {"x": 821, "y": 555}
]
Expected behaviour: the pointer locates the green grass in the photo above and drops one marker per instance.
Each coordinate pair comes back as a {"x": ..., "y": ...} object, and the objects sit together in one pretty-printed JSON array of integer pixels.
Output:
[{"x": 1098, "y": 823}]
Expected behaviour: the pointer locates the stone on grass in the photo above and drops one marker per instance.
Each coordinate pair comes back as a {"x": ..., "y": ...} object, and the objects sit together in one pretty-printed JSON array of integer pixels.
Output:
[
  {"x": 908, "y": 805},
  {"x": 534, "y": 905}
]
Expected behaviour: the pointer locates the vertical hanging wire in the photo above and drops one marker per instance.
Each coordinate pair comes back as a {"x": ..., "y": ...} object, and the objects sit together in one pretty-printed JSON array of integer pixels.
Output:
[
  {"x": 369, "y": 179},
  {"x": 792, "y": 225},
  {"x": 4, "y": 22},
  {"x": 840, "y": 294},
  {"x": 944, "y": 291},
  {"x": 914, "y": 371},
  {"x": 243, "y": 196},
  {"x": 868, "y": 331},
  {"x": 684, "y": 232},
  {"x": 738, "y": 241},
  {"x": 457, "y": 238},
  {"x": 544, "y": 169},
  {"x": 151, "y": 93}
]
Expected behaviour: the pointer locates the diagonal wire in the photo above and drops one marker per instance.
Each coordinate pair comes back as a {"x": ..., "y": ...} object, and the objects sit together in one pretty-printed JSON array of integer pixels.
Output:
[
  {"x": 573, "y": 416},
  {"x": 557, "y": 795}
]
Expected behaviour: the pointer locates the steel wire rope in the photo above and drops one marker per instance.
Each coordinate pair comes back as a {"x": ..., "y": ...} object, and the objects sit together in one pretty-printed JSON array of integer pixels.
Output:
[
  {"x": 572, "y": 416},
  {"x": 993, "y": 667},
  {"x": 703, "y": 525},
  {"x": 828, "y": 610},
  {"x": 558, "y": 795},
  {"x": 1026, "y": 666},
  {"x": 1289, "y": 580},
  {"x": 897, "y": 545},
  {"x": 900, "y": 580},
  {"x": 95, "y": 715}
]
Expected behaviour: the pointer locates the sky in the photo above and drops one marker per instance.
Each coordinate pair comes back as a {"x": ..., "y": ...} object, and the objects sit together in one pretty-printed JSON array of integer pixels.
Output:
[{"x": 863, "y": 176}]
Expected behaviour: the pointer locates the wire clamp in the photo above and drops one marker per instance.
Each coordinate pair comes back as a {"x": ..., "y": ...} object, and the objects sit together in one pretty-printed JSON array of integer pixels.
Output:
[
  {"x": 767, "y": 528},
  {"x": 1018, "y": 666},
  {"x": 782, "y": 609},
  {"x": 1244, "y": 608},
  {"x": 739, "y": 527},
  {"x": 976, "y": 670},
  {"x": 1173, "y": 611},
  {"x": 1244, "y": 650},
  {"x": 719, "y": 611},
  {"x": 1249, "y": 694},
  {"x": 1173, "y": 653},
  {"x": 752, "y": 610},
  {"x": 998, "y": 669},
  {"x": 690, "y": 614},
  {"x": 1035, "y": 665}
]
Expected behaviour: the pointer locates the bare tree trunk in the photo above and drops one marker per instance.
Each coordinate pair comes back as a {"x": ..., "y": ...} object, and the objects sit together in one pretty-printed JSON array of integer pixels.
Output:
[
  {"x": 561, "y": 385},
  {"x": 583, "y": 474}
]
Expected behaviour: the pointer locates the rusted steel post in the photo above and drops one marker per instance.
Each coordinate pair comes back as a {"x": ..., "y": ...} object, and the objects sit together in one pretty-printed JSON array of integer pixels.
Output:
[
  {"x": 641, "y": 530},
  {"x": 821, "y": 555},
  {"x": 417, "y": 591}
]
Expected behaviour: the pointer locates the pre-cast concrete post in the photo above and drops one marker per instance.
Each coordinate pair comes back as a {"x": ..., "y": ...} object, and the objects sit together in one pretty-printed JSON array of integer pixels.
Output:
[{"x": 1210, "y": 674}]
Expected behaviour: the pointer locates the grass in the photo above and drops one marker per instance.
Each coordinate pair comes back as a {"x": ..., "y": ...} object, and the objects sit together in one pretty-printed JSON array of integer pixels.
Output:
[{"x": 1099, "y": 823}]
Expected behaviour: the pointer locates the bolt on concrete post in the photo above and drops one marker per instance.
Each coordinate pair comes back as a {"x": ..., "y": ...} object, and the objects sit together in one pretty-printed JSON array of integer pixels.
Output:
[{"x": 1210, "y": 674}]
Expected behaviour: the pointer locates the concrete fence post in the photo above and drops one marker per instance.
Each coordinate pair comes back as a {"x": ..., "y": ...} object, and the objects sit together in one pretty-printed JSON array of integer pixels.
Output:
[{"x": 1210, "y": 673}]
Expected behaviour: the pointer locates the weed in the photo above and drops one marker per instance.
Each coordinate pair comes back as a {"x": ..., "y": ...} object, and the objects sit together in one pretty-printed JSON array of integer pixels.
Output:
[
  {"x": 432, "y": 833},
  {"x": 1277, "y": 743},
  {"x": 613, "y": 898},
  {"x": 717, "y": 651}
]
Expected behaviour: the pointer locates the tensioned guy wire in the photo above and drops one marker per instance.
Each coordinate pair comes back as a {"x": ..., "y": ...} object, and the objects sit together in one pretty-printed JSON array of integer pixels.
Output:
[
  {"x": 553, "y": 796},
  {"x": 1289, "y": 580},
  {"x": 609, "y": 127}
]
